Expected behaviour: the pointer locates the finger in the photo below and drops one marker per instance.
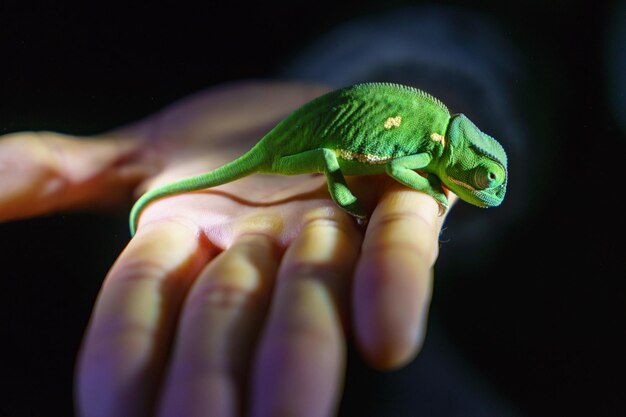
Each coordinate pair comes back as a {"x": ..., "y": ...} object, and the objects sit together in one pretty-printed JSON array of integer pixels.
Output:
[
  {"x": 44, "y": 172},
  {"x": 128, "y": 337},
  {"x": 218, "y": 327},
  {"x": 393, "y": 280},
  {"x": 301, "y": 360}
]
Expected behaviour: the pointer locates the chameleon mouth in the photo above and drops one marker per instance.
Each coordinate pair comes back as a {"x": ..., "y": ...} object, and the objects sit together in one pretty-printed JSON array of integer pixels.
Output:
[
  {"x": 486, "y": 200},
  {"x": 481, "y": 198}
]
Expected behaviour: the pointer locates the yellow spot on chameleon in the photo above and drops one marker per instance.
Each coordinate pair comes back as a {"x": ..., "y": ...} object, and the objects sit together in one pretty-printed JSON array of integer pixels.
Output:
[
  {"x": 364, "y": 158},
  {"x": 436, "y": 137},
  {"x": 392, "y": 122}
]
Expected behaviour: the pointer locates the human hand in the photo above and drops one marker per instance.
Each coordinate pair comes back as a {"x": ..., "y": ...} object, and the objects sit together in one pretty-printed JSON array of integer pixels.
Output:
[{"x": 235, "y": 300}]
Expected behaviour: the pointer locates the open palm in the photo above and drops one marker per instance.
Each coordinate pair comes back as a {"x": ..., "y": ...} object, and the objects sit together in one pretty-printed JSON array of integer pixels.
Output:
[{"x": 235, "y": 300}]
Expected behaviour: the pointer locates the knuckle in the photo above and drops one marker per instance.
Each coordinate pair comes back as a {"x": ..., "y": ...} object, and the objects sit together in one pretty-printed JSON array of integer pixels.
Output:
[
  {"x": 311, "y": 334},
  {"x": 137, "y": 270},
  {"x": 223, "y": 296},
  {"x": 416, "y": 234},
  {"x": 114, "y": 329},
  {"x": 327, "y": 219},
  {"x": 406, "y": 217},
  {"x": 319, "y": 271},
  {"x": 333, "y": 221},
  {"x": 426, "y": 252}
]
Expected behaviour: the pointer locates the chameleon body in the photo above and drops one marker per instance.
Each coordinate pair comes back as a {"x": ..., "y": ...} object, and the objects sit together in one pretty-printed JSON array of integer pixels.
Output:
[{"x": 369, "y": 129}]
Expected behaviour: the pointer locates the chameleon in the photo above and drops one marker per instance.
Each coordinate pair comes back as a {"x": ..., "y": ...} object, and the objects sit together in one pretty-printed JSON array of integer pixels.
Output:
[{"x": 369, "y": 129}]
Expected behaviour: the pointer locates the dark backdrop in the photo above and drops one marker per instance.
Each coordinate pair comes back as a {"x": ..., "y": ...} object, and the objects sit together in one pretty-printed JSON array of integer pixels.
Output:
[{"x": 543, "y": 321}]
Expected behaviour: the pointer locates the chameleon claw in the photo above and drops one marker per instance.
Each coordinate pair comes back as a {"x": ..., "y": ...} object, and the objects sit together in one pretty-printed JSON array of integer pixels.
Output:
[
  {"x": 362, "y": 221},
  {"x": 443, "y": 208}
]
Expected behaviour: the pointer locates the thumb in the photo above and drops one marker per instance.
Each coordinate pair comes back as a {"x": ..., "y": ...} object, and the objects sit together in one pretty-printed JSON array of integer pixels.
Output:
[{"x": 44, "y": 172}]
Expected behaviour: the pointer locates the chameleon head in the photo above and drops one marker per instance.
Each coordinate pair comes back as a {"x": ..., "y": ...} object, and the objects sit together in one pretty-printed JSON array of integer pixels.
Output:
[{"x": 475, "y": 164}]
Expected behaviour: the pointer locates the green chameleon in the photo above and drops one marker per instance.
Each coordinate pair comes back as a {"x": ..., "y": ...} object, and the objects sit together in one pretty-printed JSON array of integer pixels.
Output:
[{"x": 369, "y": 129}]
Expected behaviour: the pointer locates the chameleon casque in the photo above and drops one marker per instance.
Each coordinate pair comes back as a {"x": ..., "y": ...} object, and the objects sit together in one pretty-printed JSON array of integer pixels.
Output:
[{"x": 369, "y": 129}]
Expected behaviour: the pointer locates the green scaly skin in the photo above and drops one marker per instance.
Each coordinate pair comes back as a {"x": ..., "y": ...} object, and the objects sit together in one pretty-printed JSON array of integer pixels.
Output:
[{"x": 369, "y": 129}]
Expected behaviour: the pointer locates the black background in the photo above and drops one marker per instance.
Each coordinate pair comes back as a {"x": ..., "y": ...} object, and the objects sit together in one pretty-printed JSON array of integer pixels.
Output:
[{"x": 543, "y": 319}]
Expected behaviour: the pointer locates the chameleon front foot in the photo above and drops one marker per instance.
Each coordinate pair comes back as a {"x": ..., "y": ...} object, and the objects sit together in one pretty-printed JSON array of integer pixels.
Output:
[
  {"x": 358, "y": 212},
  {"x": 342, "y": 196}
]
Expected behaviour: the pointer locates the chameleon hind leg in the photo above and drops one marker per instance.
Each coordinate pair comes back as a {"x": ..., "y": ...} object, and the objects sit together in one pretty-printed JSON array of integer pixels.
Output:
[
  {"x": 403, "y": 170},
  {"x": 324, "y": 161}
]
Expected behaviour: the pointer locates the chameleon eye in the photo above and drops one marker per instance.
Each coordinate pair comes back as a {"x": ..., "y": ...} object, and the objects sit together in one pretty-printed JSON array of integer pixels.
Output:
[{"x": 488, "y": 176}]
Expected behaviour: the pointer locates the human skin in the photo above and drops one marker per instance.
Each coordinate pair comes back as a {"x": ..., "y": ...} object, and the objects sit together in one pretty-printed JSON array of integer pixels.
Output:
[{"x": 237, "y": 300}]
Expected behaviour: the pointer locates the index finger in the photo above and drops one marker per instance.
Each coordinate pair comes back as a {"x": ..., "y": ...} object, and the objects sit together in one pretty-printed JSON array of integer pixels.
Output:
[
  {"x": 393, "y": 280},
  {"x": 127, "y": 342}
]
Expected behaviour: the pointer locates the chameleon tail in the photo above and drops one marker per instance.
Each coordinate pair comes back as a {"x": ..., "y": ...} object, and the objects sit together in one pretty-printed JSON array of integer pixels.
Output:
[{"x": 249, "y": 163}]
